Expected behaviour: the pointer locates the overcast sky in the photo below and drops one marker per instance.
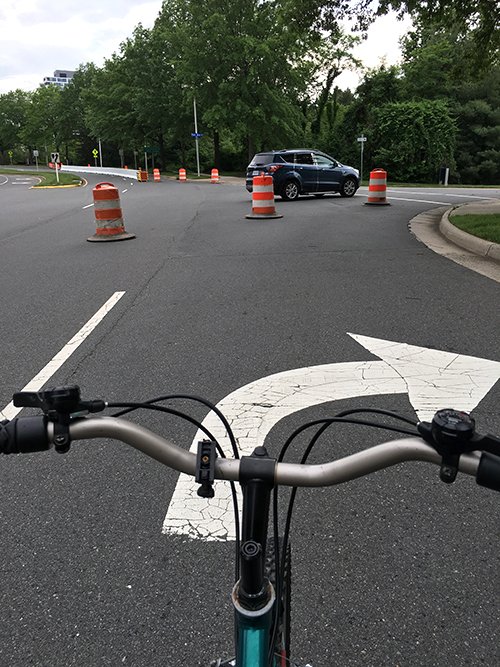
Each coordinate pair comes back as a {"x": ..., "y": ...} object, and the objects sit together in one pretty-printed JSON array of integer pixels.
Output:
[{"x": 39, "y": 37}]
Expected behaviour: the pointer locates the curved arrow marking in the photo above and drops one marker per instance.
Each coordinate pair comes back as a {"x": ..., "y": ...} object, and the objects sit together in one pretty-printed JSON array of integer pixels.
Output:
[{"x": 432, "y": 380}]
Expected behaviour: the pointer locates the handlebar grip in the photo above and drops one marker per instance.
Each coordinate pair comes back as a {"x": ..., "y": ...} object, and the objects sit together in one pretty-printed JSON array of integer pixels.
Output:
[
  {"x": 488, "y": 472},
  {"x": 24, "y": 435}
]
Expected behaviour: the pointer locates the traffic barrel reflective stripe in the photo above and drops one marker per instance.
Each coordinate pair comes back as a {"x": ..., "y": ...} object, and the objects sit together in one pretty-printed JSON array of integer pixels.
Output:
[
  {"x": 157, "y": 177},
  {"x": 215, "y": 175},
  {"x": 377, "y": 187},
  {"x": 108, "y": 214},
  {"x": 182, "y": 174},
  {"x": 263, "y": 198}
]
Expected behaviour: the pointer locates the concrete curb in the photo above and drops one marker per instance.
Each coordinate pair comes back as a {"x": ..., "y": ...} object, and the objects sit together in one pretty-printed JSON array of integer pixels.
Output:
[
  {"x": 425, "y": 227},
  {"x": 465, "y": 240}
]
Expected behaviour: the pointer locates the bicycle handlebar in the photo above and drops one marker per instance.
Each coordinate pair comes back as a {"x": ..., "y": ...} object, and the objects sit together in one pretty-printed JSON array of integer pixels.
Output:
[{"x": 29, "y": 434}]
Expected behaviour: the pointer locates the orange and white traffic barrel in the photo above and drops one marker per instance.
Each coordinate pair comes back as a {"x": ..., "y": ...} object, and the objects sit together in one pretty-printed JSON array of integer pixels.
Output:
[
  {"x": 263, "y": 198},
  {"x": 215, "y": 175},
  {"x": 157, "y": 177},
  {"x": 108, "y": 214},
  {"x": 182, "y": 175},
  {"x": 377, "y": 188}
]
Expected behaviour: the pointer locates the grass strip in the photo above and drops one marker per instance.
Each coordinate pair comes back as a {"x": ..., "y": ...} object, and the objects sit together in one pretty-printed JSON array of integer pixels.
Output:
[
  {"x": 484, "y": 226},
  {"x": 48, "y": 178}
]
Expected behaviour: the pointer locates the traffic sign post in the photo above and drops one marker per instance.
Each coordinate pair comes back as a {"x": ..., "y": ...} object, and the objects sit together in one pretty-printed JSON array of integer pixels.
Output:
[
  {"x": 361, "y": 140},
  {"x": 10, "y": 155},
  {"x": 95, "y": 153},
  {"x": 54, "y": 157},
  {"x": 35, "y": 155}
]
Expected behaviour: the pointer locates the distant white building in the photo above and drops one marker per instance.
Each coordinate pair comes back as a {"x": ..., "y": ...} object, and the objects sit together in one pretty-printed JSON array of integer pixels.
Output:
[{"x": 61, "y": 78}]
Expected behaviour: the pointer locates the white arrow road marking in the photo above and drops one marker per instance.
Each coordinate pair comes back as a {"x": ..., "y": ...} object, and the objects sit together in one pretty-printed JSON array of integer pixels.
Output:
[
  {"x": 435, "y": 379},
  {"x": 9, "y": 412},
  {"x": 432, "y": 380}
]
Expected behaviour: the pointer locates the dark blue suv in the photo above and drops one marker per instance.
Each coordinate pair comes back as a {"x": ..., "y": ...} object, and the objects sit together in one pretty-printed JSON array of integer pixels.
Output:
[{"x": 300, "y": 172}]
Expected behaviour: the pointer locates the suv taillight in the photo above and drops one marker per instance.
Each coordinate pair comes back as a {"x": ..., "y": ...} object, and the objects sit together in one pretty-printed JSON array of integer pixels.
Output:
[{"x": 274, "y": 167}]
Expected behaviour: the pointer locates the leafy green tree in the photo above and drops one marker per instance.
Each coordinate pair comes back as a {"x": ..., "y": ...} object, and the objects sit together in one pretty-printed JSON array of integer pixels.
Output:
[
  {"x": 71, "y": 114},
  {"x": 379, "y": 86},
  {"x": 428, "y": 65},
  {"x": 109, "y": 113},
  {"x": 136, "y": 99},
  {"x": 13, "y": 110},
  {"x": 156, "y": 93},
  {"x": 435, "y": 66},
  {"x": 414, "y": 139},
  {"x": 330, "y": 57},
  {"x": 478, "y": 20},
  {"x": 477, "y": 109},
  {"x": 42, "y": 126},
  {"x": 242, "y": 63}
]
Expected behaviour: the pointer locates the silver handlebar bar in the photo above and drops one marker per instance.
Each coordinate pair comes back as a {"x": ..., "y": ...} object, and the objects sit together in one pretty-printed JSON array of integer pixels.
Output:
[{"x": 287, "y": 474}]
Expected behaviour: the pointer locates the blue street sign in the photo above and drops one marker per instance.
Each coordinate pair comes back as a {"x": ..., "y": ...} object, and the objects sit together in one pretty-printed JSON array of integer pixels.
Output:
[{"x": 196, "y": 134}]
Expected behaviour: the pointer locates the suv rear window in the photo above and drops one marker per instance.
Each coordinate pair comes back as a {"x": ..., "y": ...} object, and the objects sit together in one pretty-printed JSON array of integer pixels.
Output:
[{"x": 261, "y": 160}]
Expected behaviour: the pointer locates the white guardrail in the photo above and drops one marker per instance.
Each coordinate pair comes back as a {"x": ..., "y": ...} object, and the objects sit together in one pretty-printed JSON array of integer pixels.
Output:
[{"x": 105, "y": 171}]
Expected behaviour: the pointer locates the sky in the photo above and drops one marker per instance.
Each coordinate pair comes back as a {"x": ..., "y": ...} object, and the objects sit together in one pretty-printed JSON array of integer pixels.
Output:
[{"x": 39, "y": 37}]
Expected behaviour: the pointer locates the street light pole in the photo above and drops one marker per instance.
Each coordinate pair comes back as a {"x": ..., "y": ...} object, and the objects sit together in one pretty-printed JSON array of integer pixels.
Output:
[{"x": 196, "y": 132}]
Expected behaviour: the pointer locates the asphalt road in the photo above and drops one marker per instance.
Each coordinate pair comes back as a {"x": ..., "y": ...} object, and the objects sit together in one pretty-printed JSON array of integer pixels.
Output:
[{"x": 397, "y": 569}]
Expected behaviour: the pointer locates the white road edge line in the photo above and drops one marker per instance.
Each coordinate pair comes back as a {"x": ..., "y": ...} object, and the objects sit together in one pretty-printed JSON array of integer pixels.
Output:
[
  {"x": 9, "y": 412},
  {"x": 422, "y": 201}
]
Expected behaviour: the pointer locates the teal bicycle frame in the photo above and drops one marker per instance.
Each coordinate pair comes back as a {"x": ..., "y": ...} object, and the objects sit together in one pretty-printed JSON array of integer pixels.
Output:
[{"x": 254, "y": 630}]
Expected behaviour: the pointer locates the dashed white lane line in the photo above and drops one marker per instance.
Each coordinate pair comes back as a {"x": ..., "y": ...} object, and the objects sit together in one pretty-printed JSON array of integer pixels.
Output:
[
  {"x": 88, "y": 205},
  {"x": 10, "y": 411}
]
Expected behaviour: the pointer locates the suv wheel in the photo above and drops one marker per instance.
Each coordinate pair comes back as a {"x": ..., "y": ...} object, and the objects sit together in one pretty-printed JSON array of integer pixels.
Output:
[
  {"x": 290, "y": 191},
  {"x": 349, "y": 187}
]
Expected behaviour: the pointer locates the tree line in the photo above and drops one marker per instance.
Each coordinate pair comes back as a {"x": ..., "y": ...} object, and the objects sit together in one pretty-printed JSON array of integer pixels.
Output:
[{"x": 263, "y": 75}]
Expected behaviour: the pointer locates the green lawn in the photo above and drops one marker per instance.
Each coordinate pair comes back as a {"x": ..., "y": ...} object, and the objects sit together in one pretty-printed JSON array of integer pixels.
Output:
[
  {"x": 48, "y": 178},
  {"x": 484, "y": 226}
]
